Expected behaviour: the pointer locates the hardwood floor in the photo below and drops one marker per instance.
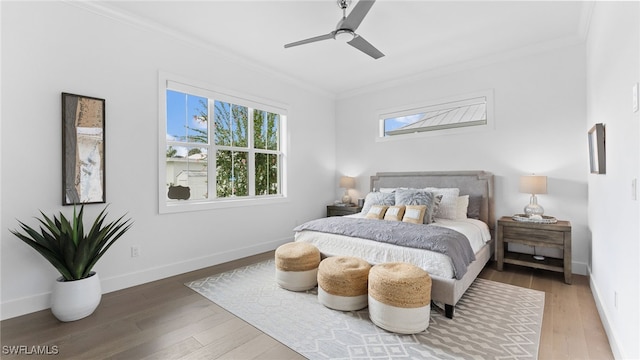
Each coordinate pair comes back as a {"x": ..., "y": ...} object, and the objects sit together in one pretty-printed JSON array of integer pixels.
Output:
[{"x": 166, "y": 320}]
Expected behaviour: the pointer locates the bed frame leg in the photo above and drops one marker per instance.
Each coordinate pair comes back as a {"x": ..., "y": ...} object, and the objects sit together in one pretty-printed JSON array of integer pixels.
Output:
[{"x": 448, "y": 311}]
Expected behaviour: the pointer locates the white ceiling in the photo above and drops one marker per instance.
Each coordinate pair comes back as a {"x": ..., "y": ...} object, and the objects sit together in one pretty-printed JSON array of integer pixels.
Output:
[{"x": 416, "y": 37}]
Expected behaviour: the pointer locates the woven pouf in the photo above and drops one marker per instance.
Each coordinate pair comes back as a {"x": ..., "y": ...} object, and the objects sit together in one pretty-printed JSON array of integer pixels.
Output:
[
  {"x": 297, "y": 266},
  {"x": 400, "y": 297},
  {"x": 342, "y": 283}
]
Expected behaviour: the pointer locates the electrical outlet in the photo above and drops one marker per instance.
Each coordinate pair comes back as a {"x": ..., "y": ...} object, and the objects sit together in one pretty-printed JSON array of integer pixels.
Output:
[
  {"x": 615, "y": 299},
  {"x": 135, "y": 251},
  {"x": 634, "y": 189}
]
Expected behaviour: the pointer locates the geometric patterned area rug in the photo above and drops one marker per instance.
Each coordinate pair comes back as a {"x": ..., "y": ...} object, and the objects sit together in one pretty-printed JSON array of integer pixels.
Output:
[{"x": 492, "y": 320}]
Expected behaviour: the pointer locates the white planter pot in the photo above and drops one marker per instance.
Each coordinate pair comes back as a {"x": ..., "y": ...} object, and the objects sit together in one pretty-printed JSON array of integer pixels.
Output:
[{"x": 74, "y": 300}]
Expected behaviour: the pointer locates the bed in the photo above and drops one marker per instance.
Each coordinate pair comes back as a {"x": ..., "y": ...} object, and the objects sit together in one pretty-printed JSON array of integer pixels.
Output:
[{"x": 448, "y": 283}]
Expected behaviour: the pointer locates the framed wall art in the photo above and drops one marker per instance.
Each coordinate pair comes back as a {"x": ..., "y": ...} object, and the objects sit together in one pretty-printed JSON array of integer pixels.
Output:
[
  {"x": 83, "y": 155},
  {"x": 597, "y": 158}
]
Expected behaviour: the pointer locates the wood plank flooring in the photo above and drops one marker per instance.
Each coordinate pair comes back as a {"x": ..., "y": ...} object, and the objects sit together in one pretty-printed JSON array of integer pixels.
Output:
[
  {"x": 571, "y": 326},
  {"x": 166, "y": 320}
]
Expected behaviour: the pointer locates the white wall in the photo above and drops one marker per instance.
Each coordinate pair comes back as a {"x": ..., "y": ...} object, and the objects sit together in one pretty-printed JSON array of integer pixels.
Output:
[
  {"x": 539, "y": 128},
  {"x": 54, "y": 47},
  {"x": 540, "y": 110},
  {"x": 613, "y": 66}
]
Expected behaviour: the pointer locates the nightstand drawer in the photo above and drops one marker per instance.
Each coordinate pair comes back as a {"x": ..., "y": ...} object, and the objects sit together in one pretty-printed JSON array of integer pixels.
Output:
[
  {"x": 342, "y": 212},
  {"x": 334, "y": 210},
  {"x": 532, "y": 234}
]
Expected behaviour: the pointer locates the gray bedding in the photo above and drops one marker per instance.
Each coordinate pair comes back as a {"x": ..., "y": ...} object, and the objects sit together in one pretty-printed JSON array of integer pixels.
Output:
[{"x": 428, "y": 237}]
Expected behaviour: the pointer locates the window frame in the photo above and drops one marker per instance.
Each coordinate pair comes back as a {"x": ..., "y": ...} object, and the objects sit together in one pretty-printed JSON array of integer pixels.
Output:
[
  {"x": 413, "y": 109},
  {"x": 168, "y": 81}
]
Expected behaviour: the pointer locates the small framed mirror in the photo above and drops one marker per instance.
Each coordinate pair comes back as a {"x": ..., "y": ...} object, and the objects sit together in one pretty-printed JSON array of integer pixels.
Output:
[{"x": 597, "y": 158}]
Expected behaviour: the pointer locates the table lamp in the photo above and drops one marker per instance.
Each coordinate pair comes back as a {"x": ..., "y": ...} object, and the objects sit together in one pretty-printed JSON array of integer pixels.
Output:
[
  {"x": 533, "y": 184},
  {"x": 347, "y": 183}
]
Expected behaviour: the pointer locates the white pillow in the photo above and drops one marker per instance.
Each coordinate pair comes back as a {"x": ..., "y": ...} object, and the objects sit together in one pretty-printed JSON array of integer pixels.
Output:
[
  {"x": 393, "y": 190},
  {"x": 387, "y": 190},
  {"x": 449, "y": 204},
  {"x": 462, "y": 205}
]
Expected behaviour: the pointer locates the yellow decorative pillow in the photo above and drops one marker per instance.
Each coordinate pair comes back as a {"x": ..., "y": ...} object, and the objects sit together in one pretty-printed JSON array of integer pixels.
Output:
[
  {"x": 394, "y": 213},
  {"x": 376, "y": 212},
  {"x": 414, "y": 214}
]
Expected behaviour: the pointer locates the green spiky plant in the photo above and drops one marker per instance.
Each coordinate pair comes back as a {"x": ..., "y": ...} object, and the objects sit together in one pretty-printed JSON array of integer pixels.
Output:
[{"x": 66, "y": 246}]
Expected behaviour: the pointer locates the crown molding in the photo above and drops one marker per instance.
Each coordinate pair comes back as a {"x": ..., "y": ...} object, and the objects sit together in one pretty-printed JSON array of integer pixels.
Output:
[
  {"x": 585, "y": 19},
  {"x": 439, "y": 71},
  {"x": 582, "y": 31},
  {"x": 103, "y": 9}
]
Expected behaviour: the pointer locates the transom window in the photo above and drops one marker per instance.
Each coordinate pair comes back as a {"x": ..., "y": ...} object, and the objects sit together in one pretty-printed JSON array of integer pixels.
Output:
[
  {"x": 447, "y": 115},
  {"x": 219, "y": 149}
]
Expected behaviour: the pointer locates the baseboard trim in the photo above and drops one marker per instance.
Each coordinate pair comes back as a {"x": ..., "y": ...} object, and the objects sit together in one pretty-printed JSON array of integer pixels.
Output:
[
  {"x": 25, "y": 305},
  {"x": 579, "y": 268},
  {"x": 604, "y": 318},
  {"x": 30, "y": 304},
  {"x": 161, "y": 272}
]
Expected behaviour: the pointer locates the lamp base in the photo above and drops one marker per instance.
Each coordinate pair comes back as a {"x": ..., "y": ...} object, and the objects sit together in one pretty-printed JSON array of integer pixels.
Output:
[
  {"x": 346, "y": 199},
  {"x": 533, "y": 208}
]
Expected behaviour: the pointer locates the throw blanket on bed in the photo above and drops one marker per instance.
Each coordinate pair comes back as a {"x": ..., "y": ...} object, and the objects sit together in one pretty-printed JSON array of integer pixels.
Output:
[{"x": 427, "y": 237}]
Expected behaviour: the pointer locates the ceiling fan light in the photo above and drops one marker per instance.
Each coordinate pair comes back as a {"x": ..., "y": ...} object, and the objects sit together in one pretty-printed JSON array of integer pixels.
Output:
[{"x": 344, "y": 35}]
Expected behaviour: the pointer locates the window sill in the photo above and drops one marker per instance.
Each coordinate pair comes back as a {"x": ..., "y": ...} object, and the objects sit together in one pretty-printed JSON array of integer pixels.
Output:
[{"x": 184, "y": 206}]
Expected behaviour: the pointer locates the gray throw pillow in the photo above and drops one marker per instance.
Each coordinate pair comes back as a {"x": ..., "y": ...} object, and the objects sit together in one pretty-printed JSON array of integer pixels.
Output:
[
  {"x": 377, "y": 198},
  {"x": 434, "y": 211},
  {"x": 419, "y": 197},
  {"x": 473, "y": 210}
]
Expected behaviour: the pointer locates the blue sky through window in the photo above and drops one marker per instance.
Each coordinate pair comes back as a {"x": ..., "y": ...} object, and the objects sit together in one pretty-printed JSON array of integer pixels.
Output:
[
  {"x": 400, "y": 121},
  {"x": 183, "y": 111}
]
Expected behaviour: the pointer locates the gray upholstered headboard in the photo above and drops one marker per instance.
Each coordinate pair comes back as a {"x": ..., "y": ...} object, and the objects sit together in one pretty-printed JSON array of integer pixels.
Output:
[{"x": 472, "y": 183}]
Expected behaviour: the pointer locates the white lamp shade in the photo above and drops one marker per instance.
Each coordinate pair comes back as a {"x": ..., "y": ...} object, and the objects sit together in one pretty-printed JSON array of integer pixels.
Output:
[
  {"x": 533, "y": 184},
  {"x": 347, "y": 182}
]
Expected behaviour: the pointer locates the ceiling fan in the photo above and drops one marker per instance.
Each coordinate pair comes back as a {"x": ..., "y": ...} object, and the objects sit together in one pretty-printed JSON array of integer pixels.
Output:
[{"x": 346, "y": 29}]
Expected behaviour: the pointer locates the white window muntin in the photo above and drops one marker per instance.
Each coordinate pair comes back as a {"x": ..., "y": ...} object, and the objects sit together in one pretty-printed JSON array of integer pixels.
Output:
[{"x": 173, "y": 82}]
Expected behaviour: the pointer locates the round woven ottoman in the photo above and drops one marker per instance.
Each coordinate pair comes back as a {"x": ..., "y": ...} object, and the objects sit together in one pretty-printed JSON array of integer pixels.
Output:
[
  {"x": 400, "y": 297},
  {"x": 342, "y": 283},
  {"x": 297, "y": 266}
]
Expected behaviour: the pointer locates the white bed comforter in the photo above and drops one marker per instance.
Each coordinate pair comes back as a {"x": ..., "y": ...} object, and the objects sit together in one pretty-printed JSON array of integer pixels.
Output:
[{"x": 376, "y": 253}]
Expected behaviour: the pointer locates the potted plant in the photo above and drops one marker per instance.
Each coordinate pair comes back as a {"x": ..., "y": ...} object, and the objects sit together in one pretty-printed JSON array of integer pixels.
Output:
[{"x": 64, "y": 243}]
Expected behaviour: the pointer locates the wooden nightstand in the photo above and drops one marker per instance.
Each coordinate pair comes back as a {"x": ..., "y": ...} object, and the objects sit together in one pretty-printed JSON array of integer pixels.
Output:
[
  {"x": 333, "y": 210},
  {"x": 556, "y": 235}
]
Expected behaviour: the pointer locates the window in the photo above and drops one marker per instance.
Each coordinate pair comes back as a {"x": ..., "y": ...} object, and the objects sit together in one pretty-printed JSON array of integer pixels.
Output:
[
  {"x": 456, "y": 114},
  {"x": 217, "y": 149}
]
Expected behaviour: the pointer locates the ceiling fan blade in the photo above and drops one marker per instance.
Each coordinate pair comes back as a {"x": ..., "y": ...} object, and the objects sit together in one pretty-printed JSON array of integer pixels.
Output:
[
  {"x": 357, "y": 14},
  {"x": 310, "y": 40},
  {"x": 363, "y": 45}
]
